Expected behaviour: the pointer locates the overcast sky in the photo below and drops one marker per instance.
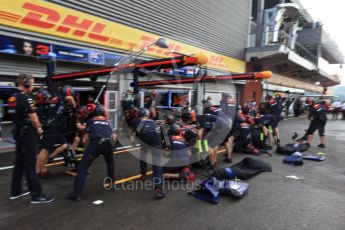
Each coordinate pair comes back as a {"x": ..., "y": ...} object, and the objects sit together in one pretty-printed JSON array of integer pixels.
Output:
[{"x": 332, "y": 15}]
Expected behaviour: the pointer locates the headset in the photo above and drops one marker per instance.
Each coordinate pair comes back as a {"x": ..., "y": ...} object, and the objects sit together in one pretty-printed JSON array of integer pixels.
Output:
[{"x": 26, "y": 81}]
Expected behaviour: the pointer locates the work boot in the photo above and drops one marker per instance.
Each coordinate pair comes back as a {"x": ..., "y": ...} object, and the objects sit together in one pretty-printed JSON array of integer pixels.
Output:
[
  {"x": 227, "y": 160},
  {"x": 143, "y": 177},
  {"x": 73, "y": 197},
  {"x": 159, "y": 193},
  {"x": 321, "y": 146}
]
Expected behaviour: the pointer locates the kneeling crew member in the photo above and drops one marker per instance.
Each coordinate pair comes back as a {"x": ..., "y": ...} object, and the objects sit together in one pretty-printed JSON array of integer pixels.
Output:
[
  {"x": 179, "y": 154},
  {"x": 100, "y": 137}
]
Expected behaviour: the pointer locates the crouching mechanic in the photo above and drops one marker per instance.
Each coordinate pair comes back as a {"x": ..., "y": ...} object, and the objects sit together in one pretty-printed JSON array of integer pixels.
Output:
[
  {"x": 100, "y": 139},
  {"x": 179, "y": 156},
  {"x": 318, "y": 119},
  {"x": 243, "y": 137}
]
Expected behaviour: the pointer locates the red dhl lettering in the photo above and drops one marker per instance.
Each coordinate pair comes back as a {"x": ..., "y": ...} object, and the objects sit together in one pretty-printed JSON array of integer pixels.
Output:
[
  {"x": 147, "y": 41},
  {"x": 216, "y": 61},
  {"x": 46, "y": 18},
  {"x": 72, "y": 21}
]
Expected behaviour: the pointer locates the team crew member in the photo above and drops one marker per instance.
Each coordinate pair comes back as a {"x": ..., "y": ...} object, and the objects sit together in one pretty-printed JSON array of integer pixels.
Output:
[
  {"x": 274, "y": 107},
  {"x": 27, "y": 128},
  {"x": 214, "y": 127},
  {"x": 206, "y": 124},
  {"x": 243, "y": 132},
  {"x": 65, "y": 105},
  {"x": 318, "y": 119},
  {"x": 132, "y": 120},
  {"x": 149, "y": 134},
  {"x": 90, "y": 104},
  {"x": 265, "y": 120},
  {"x": 48, "y": 139},
  {"x": 179, "y": 154},
  {"x": 229, "y": 107},
  {"x": 100, "y": 138},
  {"x": 150, "y": 104},
  {"x": 81, "y": 119}
]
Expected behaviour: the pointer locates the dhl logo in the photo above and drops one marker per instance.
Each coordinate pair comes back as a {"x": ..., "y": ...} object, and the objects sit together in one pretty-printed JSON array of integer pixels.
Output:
[
  {"x": 46, "y": 18},
  {"x": 55, "y": 20}
]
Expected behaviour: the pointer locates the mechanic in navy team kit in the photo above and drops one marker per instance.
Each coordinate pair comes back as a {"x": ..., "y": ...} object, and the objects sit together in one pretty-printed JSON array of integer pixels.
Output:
[
  {"x": 99, "y": 140},
  {"x": 28, "y": 128},
  {"x": 82, "y": 115},
  {"x": 149, "y": 134},
  {"x": 64, "y": 109},
  {"x": 274, "y": 108},
  {"x": 215, "y": 126},
  {"x": 179, "y": 155},
  {"x": 229, "y": 107},
  {"x": 318, "y": 122},
  {"x": 48, "y": 139}
]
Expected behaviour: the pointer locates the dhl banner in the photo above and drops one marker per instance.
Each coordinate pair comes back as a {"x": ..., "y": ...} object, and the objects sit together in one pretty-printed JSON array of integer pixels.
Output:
[{"x": 48, "y": 18}]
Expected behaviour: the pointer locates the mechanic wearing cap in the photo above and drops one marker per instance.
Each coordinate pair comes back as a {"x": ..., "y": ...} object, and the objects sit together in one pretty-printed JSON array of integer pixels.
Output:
[
  {"x": 318, "y": 119},
  {"x": 22, "y": 109},
  {"x": 100, "y": 138},
  {"x": 149, "y": 134}
]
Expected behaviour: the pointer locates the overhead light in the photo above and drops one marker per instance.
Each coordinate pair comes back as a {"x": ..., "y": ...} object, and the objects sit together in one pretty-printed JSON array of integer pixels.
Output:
[
  {"x": 317, "y": 83},
  {"x": 161, "y": 43}
]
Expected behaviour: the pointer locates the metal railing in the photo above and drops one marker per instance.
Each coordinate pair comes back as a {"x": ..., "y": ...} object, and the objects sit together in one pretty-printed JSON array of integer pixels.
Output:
[
  {"x": 289, "y": 42},
  {"x": 299, "y": 49}
]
